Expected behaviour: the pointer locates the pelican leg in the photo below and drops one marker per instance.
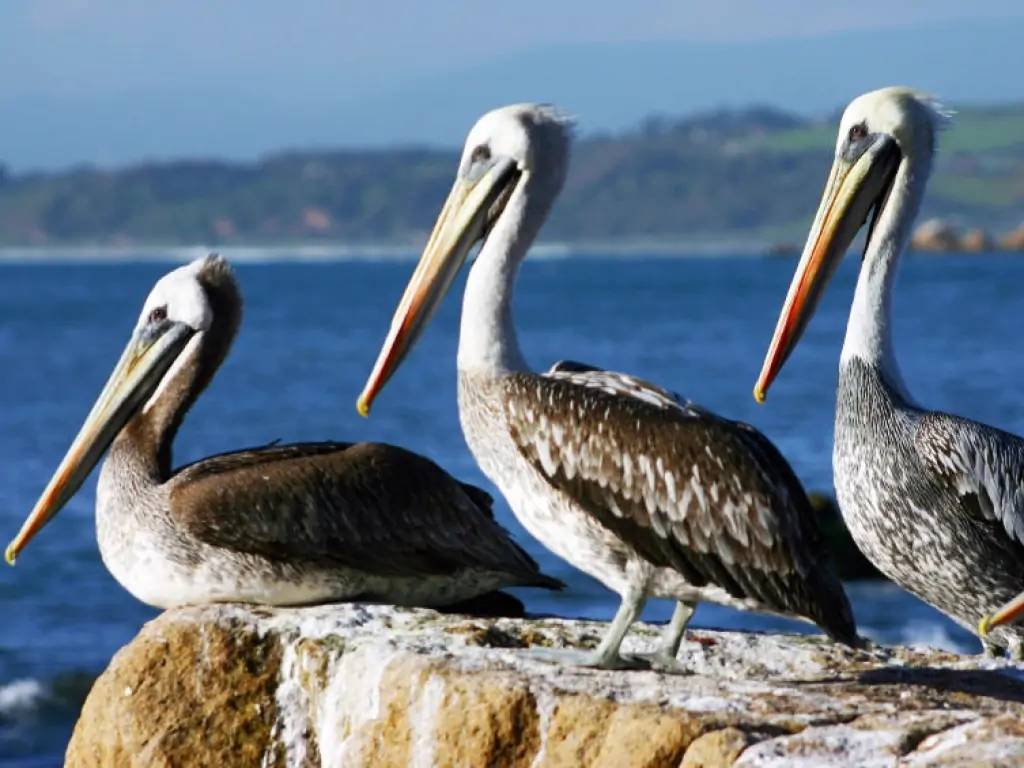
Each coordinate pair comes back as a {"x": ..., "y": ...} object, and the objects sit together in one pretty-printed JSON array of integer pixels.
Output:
[
  {"x": 672, "y": 636},
  {"x": 991, "y": 650},
  {"x": 1016, "y": 649},
  {"x": 664, "y": 659},
  {"x": 606, "y": 655}
]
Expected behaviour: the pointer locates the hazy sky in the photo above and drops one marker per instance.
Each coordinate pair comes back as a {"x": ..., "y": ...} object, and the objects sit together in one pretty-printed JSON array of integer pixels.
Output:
[{"x": 112, "y": 82}]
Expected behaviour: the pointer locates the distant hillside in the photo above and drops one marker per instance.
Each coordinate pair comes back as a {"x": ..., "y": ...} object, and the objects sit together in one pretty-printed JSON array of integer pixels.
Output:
[{"x": 752, "y": 175}]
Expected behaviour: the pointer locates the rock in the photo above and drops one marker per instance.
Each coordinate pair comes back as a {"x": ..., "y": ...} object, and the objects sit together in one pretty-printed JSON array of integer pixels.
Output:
[
  {"x": 716, "y": 749},
  {"x": 935, "y": 235},
  {"x": 1013, "y": 240},
  {"x": 938, "y": 235},
  {"x": 363, "y": 685},
  {"x": 975, "y": 241},
  {"x": 184, "y": 692}
]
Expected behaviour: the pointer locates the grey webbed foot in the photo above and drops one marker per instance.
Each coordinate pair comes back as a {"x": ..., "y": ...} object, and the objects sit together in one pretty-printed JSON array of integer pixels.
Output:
[
  {"x": 659, "y": 661},
  {"x": 594, "y": 659},
  {"x": 606, "y": 655}
]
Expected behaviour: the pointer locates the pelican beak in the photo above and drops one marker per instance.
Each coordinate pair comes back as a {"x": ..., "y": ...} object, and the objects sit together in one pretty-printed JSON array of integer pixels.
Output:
[
  {"x": 471, "y": 208},
  {"x": 853, "y": 189},
  {"x": 1008, "y": 614},
  {"x": 143, "y": 364}
]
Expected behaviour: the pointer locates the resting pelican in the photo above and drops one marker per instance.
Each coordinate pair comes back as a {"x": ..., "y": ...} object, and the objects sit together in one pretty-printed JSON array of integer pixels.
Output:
[
  {"x": 934, "y": 501},
  {"x": 648, "y": 494},
  {"x": 282, "y": 525}
]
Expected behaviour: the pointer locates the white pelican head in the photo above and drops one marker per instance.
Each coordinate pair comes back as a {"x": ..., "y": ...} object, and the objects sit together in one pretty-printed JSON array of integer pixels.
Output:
[
  {"x": 513, "y": 166},
  {"x": 180, "y": 295},
  {"x": 882, "y": 159}
]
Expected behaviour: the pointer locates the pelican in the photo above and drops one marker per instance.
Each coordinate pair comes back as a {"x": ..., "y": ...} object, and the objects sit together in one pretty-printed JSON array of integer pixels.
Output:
[
  {"x": 651, "y": 495},
  {"x": 935, "y": 501},
  {"x": 281, "y": 525}
]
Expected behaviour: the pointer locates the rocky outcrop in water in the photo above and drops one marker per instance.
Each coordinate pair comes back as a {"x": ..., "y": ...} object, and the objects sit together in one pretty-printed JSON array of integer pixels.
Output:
[
  {"x": 1013, "y": 240},
  {"x": 939, "y": 235},
  {"x": 935, "y": 235},
  {"x": 353, "y": 685}
]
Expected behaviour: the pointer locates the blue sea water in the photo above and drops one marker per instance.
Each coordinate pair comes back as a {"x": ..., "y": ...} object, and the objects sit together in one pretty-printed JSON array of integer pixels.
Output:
[{"x": 310, "y": 334}]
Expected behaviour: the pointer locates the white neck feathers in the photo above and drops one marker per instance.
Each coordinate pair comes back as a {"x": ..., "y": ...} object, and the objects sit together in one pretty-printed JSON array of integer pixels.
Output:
[
  {"x": 869, "y": 329},
  {"x": 487, "y": 337}
]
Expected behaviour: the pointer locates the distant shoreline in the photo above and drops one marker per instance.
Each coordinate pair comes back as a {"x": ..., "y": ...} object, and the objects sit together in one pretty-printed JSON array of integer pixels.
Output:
[
  {"x": 343, "y": 252},
  {"x": 739, "y": 181}
]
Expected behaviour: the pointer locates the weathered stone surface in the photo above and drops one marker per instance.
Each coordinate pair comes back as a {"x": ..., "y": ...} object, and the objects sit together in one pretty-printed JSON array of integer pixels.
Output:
[
  {"x": 183, "y": 693},
  {"x": 353, "y": 685},
  {"x": 717, "y": 749}
]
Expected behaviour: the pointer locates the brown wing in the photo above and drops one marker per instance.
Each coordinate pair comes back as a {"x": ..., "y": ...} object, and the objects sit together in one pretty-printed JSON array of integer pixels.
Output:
[
  {"x": 374, "y": 507},
  {"x": 688, "y": 490}
]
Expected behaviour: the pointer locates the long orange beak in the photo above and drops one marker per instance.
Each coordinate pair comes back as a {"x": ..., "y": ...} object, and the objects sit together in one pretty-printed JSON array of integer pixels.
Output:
[
  {"x": 470, "y": 207},
  {"x": 136, "y": 376},
  {"x": 1011, "y": 612},
  {"x": 851, "y": 191}
]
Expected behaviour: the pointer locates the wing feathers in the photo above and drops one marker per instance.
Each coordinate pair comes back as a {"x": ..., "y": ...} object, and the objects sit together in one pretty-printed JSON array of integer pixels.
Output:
[
  {"x": 367, "y": 506},
  {"x": 688, "y": 490},
  {"x": 983, "y": 464}
]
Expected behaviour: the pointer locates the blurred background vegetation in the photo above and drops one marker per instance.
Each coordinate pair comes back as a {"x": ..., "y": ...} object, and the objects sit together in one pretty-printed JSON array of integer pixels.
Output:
[{"x": 741, "y": 176}]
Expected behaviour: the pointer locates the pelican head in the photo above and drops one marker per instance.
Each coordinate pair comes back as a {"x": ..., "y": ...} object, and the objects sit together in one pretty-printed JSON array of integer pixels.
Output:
[
  {"x": 513, "y": 166},
  {"x": 880, "y": 133},
  {"x": 176, "y": 314}
]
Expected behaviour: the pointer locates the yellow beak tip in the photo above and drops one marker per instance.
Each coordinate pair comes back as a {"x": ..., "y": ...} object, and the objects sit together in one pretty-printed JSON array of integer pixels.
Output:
[
  {"x": 363, "y": 407},
  {"x": 10, "y": 554},
  {"x": 759, "y": 395},
  {"x": 984, "y": 626}
]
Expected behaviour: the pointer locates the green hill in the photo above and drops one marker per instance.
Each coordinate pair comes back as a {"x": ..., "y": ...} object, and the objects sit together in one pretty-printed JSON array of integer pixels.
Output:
[{"x": 751, "y": 175}]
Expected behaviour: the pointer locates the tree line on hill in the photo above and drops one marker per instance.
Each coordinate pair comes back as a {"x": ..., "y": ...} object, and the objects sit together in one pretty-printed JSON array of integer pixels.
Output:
[{"x": 752, "y": 175}]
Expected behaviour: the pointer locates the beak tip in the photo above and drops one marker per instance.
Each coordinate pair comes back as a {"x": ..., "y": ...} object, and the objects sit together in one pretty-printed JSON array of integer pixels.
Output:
[
  {"x": 984, "y": 626},
  {"x": 760, "y": 395},
  {"x": 11, "y": 554},
  {"x": 363, "y": 406}
]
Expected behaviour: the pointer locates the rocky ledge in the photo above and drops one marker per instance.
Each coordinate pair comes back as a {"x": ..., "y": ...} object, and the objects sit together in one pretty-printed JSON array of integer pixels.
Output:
[{"x": 357, "y": 685}]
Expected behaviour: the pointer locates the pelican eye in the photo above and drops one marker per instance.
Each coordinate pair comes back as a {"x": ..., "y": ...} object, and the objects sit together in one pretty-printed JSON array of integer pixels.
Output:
[
  {"x": 158, "y": 315},
  {"x": 858, "y": 132},
  {"x": 479, "y": 163}
]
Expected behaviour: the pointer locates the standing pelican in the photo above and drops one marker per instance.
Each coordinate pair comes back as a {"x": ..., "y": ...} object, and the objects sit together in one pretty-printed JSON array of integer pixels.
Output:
[
  {"x": 283, "y": 525},
  {"x": 648, "y": 494},
  {"x": 935, "y": 501}
]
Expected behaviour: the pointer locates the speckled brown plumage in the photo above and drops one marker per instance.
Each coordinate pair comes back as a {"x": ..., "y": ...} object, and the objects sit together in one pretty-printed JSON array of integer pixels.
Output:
[
  {"x": 688, "y": 490},
  {"x": 933, "y": 500}
]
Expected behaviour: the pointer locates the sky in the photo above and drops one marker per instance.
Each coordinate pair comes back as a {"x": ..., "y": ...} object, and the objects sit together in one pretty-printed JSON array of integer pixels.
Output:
[{"x": 118, "y": 81}]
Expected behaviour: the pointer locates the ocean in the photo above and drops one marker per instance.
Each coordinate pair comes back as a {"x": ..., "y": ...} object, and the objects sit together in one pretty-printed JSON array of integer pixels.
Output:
[{"x": 311, "y": 331}]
